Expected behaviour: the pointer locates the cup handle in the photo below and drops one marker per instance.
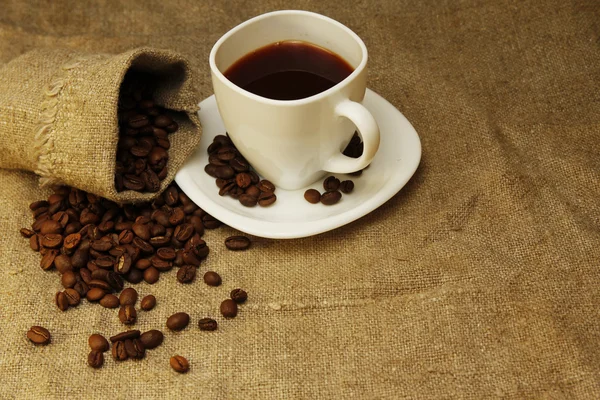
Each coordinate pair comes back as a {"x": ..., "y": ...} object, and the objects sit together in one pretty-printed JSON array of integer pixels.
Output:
[{"x": 369, "y": 131}]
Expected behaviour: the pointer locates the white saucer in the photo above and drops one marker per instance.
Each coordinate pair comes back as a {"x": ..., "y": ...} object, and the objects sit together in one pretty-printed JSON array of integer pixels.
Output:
[{"x": 291, "y": 216}]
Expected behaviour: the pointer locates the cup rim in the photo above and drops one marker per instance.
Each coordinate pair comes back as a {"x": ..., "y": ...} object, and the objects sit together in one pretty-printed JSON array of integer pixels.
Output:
[{"x": 215, "y": 70}]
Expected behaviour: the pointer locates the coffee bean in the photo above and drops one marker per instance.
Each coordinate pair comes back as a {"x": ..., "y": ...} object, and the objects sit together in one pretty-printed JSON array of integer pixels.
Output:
[
  {"x": 27, "y": 233},
  {"x": 237, "y": 243},
  {"x": 109, "y": 301},
  {"x": 134, "y": 348},
  {"x": 160, "y": 264},
  {"x": 179, "y": 364},
  {"x": 266, "y": 199},
  {"x": 61, "y": 301},
  {"x": 186, "y": 273},
  {"x": 134, "y": 276},
  {"x": 143, "y": 263},
  {"x": 95, "y": 294},
  {"x": 142, "y": 230},
  {"x": 312, "y": 196},
  {"x": 34, "y": 243},
  {"x": 144, "y": 246},
  {"x": 63, "y": 263},
  {"x": 227, "y": 188},
  {"x": 128, "y": 297},
  {"x": 131, "y": 334},
  {"x": 151, "y": 181},
  {"x": 178, "y": 321},
  {"x": 211, "y": 222},
  {"x": 138, "y": 121},
  {"x": 211, "y": 170},
  {"x": 114, "y": 281},
  {"x": 330, "y": 198},
  {"x": 98, "y": 283},
  {"x": 247, "y": 200},
  {"x": 163, "y": 121},
  {"x": 51, "y": 240},
  {"x": 123, "y": 264},
  {"x": 183, "y": 232},
  {"x": 227, "y": 153},
  {"x": 229, "y": 308},
  {"x": 72, "y": 296},
  {"x": 95, "y": 359},
  {"x": 127, "y": 315},
  {"x": 133, "y": 182},
  {"x": 243, "y": 180},
  {"x": 239, "y": 164},
  {"x": 331, "y": 183},
  {"x": 347, "y": 186},
  {"x": 98, "y": 342},
  {"x": 151, "y": 275},
  {"x": 38, "y": 204},
  {"x": 72, "y": 241},
  {"x": 148, "y": 302},
  {"x": 207, "y": 324},
  {"x": 177, "y": 216},
  {"x": 166, "y": 253},
  {"x": 152, "y": 339},
  {"x": 118, "y": 351},
  {"x": 252, "y": 191},
  {"x": 38, "y": 335},
  {"x": 239, "y": 295},
  {"x": 82, "y": 288},
  {"x": 266, "y": 186},
  {"x": 51, "y": 226},
  {"x": 68, "y": 279}
]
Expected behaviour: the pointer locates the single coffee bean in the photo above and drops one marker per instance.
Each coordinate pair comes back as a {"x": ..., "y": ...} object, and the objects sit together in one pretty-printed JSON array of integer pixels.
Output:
[
  {"x": 207, "y": 324},
  {"x": 134, "y": 348},
  {"x": 51, "y": 226},
  {"x": 157, "y": 154},
  {"x": 118, "y": 351},
  {"x": 61, "y": 301},
  {"x": 71, "y": 228},
  {"x": 152, "y": 338},
  {"x": 189, "y": 257},
  {"x": 68, "y": 279},
  {"x": 330, "y": 198},
  {"x": 331, "y": 183},
  {"x": 166, "y": 253},
  {"x": 138, "y": 121},
  {"x": 79, "y": 259},
  {"x": 134, "y": 276},
  {"x": 247, "y": 200},
  {"x": 126, "y": 236},
  {"x": 347, "y": 186},
  {"x": 229, "y": 308},
  {"x": 144, "y": 246},
  {"x": 105, "y": 261},
  {"x": 177, "y": 216},
  {"x": 211, "y": 170},
  {"x": 62, "y": 263},
  {"x": 210, "y": 222},
  {"x": 243, "y": 180},
  {"x": 160, "y": 264},
  {"x": 72, "y": 296},
  {"x": 239, "y": 295},
  {"x": 239, "y": 164},
  {"x": 227, "y": 153},
  {"x": 98, "y": 342},
  {"x": 27, "y": 233},
  {"x": 266, "y": 186},
  {"x": 143, "y": 263},
  {"x": 128, "y": 297},
  {"x": 82, "y": 288},
  {"x": 237, "y": 243},
  {"x": 99, "y": 274},
  {"x": 131, "y": 334},
  {"x": 123, "y": 264},
  {"x": 34, "y": 243},
  {"x": 186, "y": 273},
  {"x": 38, "y": 335},
  {"x": 183, "y": 232},
  {"x": 109, "y": 301},
  {"x": 179, "y": 364},
  {"x": 127, "y": 315},
  {"x": 151, "y": 275},
  {"x": 95, "y": 359},
  {"x": 148, "y": 302},
  {"x": 114, "y": 281},
  {"x": 95, "y": 294},
  {"x": 178, "y": 321},
  {"x": 252, "y": 191},
  {"x": 142, "y": 230},
  {"x": 266, "y": 199},
  {"x": 227, "y": 188},
  {"x": 98, "y": 283},
  {"x": 312, "y": 196},
  {"x": 52, "y": 240},
  {"x": 162, "y": 121},
  {"x": 133, "y": 182},
  {"x": 38, "y": 204}
]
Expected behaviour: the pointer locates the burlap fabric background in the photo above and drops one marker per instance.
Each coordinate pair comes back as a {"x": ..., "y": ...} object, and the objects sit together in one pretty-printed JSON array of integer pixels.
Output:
[
  {"x": 480, "y": 279},
  {"x": 58, "y": 113}
]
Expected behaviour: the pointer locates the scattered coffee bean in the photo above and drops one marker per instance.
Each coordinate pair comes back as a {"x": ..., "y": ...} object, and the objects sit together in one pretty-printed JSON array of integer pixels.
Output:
[
  {"x": 118, "y": 351},
  {"x": 178, "y": 321},
  {"x": 152, "y": 338},
  {"x": 109, "y": 301},
  {"x": 128, "y": 297},
  {"x": 347, "y": 186},
  {"x": 179, "y": 364},
  {"x": 229, "y": 308},
  {"x": 127, "y": 314},
  {"x": 186, "y": 274},
  {"x": 148, "y": 302},
  {"x": 312, "y": 196},
  {"x": 95, "y": 294},
  {"x": 331, "y": 184},
  {"x": 211, "y": 278},
  {"x": 61, "y": 301},
  {"x": 95, "y": 359},
  {"x": 38, "y": 335},
  {"x": 27, "y": 233},
  {"x": 98, "y": 343},
  {"x": 238, "y": 295},
  {"x": 207, "y": 324},
  {"x": 151, "y": 275},
  {"x": 73, "y": 297},
  {"x": 131, "y": 334},
  {"x": 330, "y": 198},
  {"x": 237, "y": 243}
]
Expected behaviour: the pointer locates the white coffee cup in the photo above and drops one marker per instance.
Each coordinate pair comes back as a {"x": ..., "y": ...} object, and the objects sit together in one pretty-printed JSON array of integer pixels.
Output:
[{"x": 293, "y": 143}]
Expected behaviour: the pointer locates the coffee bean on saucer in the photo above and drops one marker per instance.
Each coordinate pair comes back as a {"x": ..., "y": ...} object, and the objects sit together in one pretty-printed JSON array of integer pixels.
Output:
[
  {"x": 330, "y": 198},
  {"x": 178, "y": 321},
  {"x": 38, "y": 335},
  {"x": 266, "y": 199},
  {"x": 237, "y": 243},
  {"x": 148, "y": 302},
  {"x": 312, "y": 196},
  {"x": 179, "y": 364},
  {"x": 98, "y": 343},
  {"x": 229, "y": 308},
  {"x": 347, "y": 186},
  {"x": 331, "y": 183},
  {"x": 211, "y": 278},
  {"x": 239, "y": 295},
  {"x": 207, "y": 324}
]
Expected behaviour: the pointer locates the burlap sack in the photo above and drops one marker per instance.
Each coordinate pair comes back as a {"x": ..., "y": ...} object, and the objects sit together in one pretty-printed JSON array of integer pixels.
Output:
[{"x": 58, "y": 114}]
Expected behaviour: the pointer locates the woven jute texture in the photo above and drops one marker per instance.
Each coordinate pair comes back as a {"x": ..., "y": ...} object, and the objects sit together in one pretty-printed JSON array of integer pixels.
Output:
[
  {"x": 58, "y": 113},
  {"x": 480, "y": 279}
]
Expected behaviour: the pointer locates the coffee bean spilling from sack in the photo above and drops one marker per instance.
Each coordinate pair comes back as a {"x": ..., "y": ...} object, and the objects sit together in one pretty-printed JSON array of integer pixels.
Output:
[
  {"x": 144, "y": 129},
  {"x": 234, "y": 176}
]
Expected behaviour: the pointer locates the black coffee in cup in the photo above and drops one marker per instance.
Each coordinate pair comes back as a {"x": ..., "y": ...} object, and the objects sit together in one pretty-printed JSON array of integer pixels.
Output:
[{"x": 289, "y": 70}]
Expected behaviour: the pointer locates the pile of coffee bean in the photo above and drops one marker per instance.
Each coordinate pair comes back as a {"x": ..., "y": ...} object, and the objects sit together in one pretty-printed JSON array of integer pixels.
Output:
[
  {"x": 234, "y": 176},
  {"x": 143, "y": 146}
]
